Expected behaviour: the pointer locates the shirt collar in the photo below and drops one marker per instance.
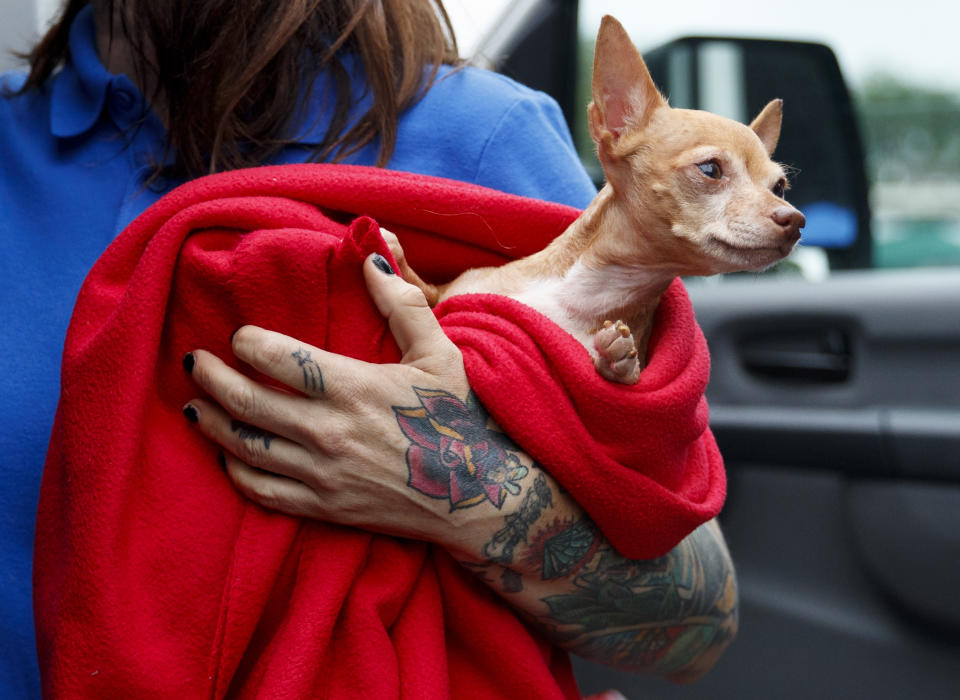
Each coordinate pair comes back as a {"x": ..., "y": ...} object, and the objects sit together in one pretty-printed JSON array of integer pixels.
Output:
[{"x": 80, "y": 89}]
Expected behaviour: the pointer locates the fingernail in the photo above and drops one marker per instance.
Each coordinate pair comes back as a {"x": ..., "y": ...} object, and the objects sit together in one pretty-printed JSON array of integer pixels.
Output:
[
  {"x": 233, "y": 334},
  {"x": 382, "y": 264},
  {"x": 191, "y": 413},
  {"x": 221, "y": 460},
  {"x": 188, "y": 361}
]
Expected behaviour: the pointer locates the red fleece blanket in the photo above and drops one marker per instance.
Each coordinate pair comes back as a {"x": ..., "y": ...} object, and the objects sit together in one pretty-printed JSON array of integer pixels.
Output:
[{"x": 154, "y": 578}]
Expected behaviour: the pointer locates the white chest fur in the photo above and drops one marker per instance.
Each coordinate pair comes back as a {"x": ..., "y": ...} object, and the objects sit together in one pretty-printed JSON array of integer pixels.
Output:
[{"x": 583, "y": 297}]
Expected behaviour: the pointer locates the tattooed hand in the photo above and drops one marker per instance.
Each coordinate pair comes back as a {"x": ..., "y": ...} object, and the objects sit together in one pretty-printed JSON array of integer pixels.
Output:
[
  {"x": 407, "y": 450},
  {"x": 339, "y": 450}
]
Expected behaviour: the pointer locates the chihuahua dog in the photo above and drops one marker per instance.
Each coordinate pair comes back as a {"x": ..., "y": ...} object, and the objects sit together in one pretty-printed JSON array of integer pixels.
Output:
[{"x": 687, "y": 193}]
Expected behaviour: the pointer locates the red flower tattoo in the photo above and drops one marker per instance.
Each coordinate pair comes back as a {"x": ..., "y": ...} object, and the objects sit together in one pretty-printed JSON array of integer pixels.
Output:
[{"x": 453, "y": 455}]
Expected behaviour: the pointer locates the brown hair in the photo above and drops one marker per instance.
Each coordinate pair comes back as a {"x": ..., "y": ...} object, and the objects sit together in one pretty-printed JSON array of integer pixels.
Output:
[{"x": 232, "y": 76}]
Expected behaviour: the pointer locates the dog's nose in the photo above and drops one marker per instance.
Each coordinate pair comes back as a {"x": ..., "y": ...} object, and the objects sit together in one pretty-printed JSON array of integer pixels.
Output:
[{"x": 790, "y": 219}]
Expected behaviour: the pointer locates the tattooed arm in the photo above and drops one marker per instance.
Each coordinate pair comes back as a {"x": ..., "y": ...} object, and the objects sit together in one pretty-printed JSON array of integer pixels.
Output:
[
  {"x": 671, "y": 616},
  {"x": 406, "y": 450}
]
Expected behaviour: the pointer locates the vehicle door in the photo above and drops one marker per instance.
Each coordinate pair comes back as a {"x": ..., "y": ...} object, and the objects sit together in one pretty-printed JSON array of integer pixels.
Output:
[{"x": 835, "y": 389}]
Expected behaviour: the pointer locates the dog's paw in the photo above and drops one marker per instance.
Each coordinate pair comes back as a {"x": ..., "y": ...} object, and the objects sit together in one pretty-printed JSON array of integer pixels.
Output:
[{"x": 616, "y": 353}]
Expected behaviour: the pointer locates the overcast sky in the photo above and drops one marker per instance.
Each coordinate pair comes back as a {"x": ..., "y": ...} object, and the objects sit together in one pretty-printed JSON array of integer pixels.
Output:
[{"x": 918, "y": 40}]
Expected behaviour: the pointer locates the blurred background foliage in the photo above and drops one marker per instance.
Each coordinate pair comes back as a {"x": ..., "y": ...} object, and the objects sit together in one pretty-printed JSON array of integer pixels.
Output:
[{"x": 911, "y": 132}]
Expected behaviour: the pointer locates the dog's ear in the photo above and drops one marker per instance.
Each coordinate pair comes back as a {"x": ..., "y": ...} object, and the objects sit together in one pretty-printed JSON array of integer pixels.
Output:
[
  {"x": 624, "y": 95},
  {"x": 767, "y": 125}
]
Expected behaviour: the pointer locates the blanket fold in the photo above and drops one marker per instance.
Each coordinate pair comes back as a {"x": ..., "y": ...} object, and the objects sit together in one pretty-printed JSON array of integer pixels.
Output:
[{"x": 154, "y": 578}]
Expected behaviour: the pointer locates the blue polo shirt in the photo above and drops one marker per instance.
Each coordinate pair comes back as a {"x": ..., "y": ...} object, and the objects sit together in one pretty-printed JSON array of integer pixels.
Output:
[{"x": 73, "y": 173}]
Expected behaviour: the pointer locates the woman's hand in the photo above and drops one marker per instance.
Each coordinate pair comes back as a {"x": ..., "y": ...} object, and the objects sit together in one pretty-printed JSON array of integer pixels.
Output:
[
  {"x": 333, "y": 448},
  {"x": 406, "y": 449}
]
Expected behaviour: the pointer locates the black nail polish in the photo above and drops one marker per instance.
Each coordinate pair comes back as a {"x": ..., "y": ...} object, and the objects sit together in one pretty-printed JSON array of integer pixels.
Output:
[
  {"x": 221, "y": 460},
  {"x": 191, "y": 413},
  {"x": 188, "y": 361},
  {"x": 383, "y": 265}
]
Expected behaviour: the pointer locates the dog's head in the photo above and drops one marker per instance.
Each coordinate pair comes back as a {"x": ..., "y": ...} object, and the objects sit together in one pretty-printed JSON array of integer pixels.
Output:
[{"x": 700, "y": 190}]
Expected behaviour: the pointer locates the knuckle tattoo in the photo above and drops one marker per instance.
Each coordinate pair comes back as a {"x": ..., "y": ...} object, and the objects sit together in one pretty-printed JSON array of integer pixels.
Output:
[
  {"x": 254, "y": 442},
  {"x": 251, "y": 452}
]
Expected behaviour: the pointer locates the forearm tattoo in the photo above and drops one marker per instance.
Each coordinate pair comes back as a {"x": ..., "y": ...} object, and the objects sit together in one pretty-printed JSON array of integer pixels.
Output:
[
  {"x": 659, "y": 615},
  {"x": 516, "y": 525},
  {"x": 453, "y": 455},
  {"x": 500, "y": 548},
  {"x": 562, "y": 548},
  {"x": 312, "y": 376},
  {"x": 663, "y": 615}
]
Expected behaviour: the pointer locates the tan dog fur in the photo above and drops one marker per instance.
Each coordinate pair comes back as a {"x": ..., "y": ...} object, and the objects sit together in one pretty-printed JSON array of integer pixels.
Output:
[{"x": 661, "y": 214}]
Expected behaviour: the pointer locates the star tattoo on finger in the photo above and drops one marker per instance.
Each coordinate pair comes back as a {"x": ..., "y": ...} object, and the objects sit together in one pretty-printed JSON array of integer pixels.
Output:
[{"x": 312, "y": 376}]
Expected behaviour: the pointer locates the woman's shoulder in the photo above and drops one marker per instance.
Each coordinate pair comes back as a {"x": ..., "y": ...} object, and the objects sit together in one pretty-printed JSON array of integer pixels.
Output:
[
  {"x": 25, "y": 112},
  {"x": 486, "y": 98},
  {"x": 24, "y": 116},
  {"x": 482, "y": 127},
  {"x": 498, "y": 88},
  {"x": 11, "y": 99},
  {"x": 11, "y": 82}
]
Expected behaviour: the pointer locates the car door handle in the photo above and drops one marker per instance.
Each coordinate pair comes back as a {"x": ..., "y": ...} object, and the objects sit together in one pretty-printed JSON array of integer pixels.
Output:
[{"x": 806, "y": 355}]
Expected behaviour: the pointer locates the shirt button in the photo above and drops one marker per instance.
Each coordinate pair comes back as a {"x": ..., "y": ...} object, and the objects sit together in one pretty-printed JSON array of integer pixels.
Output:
[
  {"x": 159, "y": 184},
  {"x": 122, "y": 101}
]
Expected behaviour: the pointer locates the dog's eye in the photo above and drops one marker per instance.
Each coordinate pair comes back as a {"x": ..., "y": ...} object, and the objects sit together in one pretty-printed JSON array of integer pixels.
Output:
[
  {"x": 780, "y": 188},
  {"x": 711, "y": 169}
]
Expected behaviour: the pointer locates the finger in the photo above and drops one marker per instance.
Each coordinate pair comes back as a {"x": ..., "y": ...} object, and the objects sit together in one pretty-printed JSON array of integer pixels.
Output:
[
  {"x": 393, "y": 243},
  {"x": 415, "y": 328},
  {"x": 283, "y": 358},
  {"x": 430, "y": 291},
  {"x": 274, "y": 492},
  {"x": 248, "y": 401},
  {"x": 252, "y": 445},
  {"x": 315, "y": 372}
]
